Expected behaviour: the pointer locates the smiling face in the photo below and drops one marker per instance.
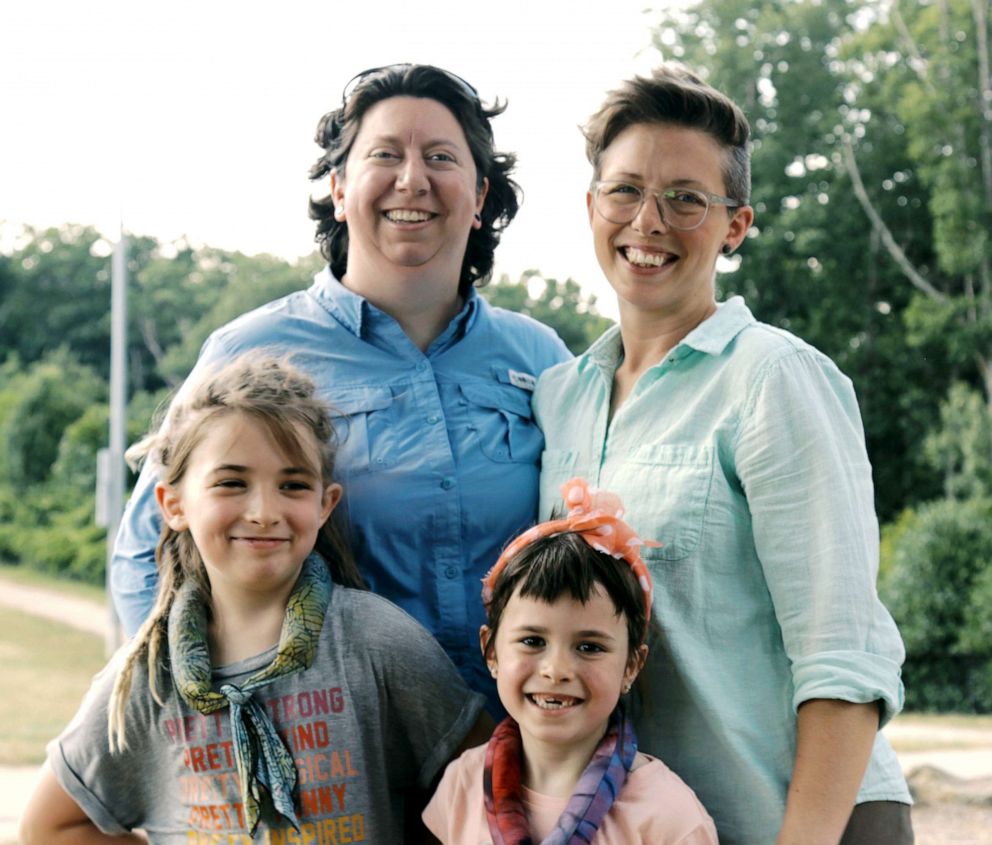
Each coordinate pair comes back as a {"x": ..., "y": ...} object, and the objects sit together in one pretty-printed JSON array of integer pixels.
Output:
[
  {"x": 652, "y": 267},
  {"x": 560, "y": 668},
  {"x": 252, "y": 511},
  {"x": 409, "y": 194}
]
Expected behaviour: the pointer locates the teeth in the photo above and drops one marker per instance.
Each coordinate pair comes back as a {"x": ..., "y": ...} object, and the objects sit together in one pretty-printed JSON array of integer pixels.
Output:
[
  {"x": 646, "y": 259},
  {"x": 553, "y": 702},
  {"x": 403, "y": 215}
]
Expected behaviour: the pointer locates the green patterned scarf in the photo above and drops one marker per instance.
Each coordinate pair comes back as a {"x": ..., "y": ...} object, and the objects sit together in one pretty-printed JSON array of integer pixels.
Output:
[{"x": 262, "y": 758}]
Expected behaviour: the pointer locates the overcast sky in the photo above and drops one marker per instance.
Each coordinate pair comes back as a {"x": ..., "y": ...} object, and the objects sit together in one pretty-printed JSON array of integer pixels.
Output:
[{"x": 196, "y": 119}]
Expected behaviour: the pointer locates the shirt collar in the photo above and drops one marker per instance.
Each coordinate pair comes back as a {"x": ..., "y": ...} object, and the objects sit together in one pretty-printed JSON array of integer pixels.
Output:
[
  {"x": 360, "y": 317},
  {"x": 711, "y": 337},
  {"x": 714, "y": 334}
]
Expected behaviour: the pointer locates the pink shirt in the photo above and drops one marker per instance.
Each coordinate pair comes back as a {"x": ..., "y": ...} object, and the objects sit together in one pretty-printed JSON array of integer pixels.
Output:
[{"x": 654, "y": 806}]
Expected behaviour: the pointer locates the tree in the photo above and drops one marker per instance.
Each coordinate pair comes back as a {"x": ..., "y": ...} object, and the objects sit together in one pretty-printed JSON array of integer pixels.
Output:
[
  {"x": 560, "y": 305},
  {"x": 36, "y": 407},
  {"x": 940, "y": 92},
  {"x": 960, "y": 450},
  {"x": 239, "y": 283},
  {"x": 56, "y": 293}
]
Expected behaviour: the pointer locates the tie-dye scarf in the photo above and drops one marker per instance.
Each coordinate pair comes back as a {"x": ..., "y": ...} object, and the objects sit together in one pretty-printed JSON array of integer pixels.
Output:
[
  {"x": 594, "y": 794},
  {"x": 262, "y": 758}
]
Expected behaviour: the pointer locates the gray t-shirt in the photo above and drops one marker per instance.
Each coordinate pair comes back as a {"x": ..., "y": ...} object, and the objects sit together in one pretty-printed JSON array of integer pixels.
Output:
[{"x": 379, "y": 713}]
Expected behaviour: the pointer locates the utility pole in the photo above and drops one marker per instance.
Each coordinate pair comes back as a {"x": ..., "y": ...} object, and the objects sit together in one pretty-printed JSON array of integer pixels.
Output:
[{"x": 110, "y": 461}]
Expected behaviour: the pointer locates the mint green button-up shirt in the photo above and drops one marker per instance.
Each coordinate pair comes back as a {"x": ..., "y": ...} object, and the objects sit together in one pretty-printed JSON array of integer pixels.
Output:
[{"x": 743, "y": 453}]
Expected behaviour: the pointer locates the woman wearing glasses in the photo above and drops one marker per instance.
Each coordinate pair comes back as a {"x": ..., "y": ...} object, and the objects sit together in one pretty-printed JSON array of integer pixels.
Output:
[
  {"x": 740, "y": 449},
  {"x": 438, "y": 449}
]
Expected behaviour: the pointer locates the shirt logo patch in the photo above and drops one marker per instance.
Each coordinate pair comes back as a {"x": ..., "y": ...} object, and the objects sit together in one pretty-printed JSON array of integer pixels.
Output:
[{"x": 523, "y": 380}]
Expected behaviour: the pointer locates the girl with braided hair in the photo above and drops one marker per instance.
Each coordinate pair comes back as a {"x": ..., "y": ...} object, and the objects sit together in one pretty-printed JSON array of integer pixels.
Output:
[{"x": 267, "y": 691}]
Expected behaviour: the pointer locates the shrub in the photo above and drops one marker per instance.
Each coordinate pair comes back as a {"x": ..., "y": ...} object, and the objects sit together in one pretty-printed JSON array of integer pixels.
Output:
[{"x": 938, "y": 579}]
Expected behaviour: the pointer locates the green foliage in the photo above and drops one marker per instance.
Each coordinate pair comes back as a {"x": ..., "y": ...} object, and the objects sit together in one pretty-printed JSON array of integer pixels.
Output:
[
  {"x": 52, "y": 530},
  {"x": 36, "y": 407},
  {"x": 976, "y": 632},
  {"x": 961, "y": 448},
  {"x": 560, "y": 305},
  {"x": 937, "y": 581},
  {"x": 63, "y": 275},
  {"x": 74, "y": 470},
  {"x": 892, "y": 539},
  {"x": 238, "y": 283},
  {"x": 54, "y": 354}
]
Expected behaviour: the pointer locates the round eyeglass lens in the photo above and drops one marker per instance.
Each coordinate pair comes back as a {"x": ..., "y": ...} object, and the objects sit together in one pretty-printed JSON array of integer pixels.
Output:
[{"x": 680, "y": 208}]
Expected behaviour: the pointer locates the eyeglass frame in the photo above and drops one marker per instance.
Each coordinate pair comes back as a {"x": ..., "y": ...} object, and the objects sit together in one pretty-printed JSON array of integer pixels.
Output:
[
  {"x": 350, "y": 86},
  {"x": 711, "y": 199}
]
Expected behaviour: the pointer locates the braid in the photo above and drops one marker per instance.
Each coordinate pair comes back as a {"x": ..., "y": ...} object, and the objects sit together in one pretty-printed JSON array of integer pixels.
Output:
[{"x": 148, "y": 640}]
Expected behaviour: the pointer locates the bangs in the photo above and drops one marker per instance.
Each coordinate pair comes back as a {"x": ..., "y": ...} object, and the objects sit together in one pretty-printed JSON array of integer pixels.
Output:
[
  {"x": 566, "y": 565},
  {"x": 291, "y": 438}
]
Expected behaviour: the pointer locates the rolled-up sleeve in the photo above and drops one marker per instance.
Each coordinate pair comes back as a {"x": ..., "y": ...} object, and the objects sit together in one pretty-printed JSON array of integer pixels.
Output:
[{"x": 801, "y": 459}]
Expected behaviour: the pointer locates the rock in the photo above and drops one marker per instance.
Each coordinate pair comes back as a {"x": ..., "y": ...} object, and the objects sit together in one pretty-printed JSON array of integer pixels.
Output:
[{"x": 930, "y": 785}]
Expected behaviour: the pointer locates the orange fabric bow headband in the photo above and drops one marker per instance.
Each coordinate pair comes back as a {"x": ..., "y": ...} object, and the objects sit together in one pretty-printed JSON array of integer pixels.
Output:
[{"x": 597, "y": 517}]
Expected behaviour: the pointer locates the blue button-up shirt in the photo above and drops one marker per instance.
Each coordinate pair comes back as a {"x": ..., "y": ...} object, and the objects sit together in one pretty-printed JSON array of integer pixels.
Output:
[
  {"x": 438, "y": 454},
  {"x": 742, "y": 452}
]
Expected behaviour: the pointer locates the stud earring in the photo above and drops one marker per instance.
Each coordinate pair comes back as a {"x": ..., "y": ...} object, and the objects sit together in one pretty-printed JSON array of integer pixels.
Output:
[
  {"x": 478, "y": 219},
  {"x": 492, "y": 671},
  {"x": 339, "y": 212},
  {"x": 626, "y": 688},
  {"x": 726, "y": 249}
]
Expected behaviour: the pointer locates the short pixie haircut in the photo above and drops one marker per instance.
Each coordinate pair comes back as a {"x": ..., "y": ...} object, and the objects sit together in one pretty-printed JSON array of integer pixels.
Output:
[
  {"x": 566, "y": 565},
  {"x": 336, "y": 134},
  {"x": 673, "y": 94}
]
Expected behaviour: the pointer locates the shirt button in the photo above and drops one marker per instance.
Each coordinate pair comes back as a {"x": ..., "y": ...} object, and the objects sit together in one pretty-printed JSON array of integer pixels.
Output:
[
  {"x": 447, "y": 484},
  {"x": 451, "y": 572},
  {"x": 433, "y": 419},
  {"x": 422, "y": 366}
]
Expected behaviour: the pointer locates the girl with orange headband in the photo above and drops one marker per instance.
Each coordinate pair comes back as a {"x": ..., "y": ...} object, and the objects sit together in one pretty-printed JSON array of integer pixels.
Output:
[{"x": 568, "y": 604}]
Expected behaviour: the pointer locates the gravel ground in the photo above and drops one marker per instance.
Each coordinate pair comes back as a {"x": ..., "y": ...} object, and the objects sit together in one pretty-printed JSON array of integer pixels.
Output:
[{"x": 952, "y": 824}]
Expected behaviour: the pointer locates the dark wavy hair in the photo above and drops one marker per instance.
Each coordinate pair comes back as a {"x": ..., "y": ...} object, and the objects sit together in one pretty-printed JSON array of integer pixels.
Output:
[
  {"x": 336, "y": 134},
  {"x": 673, "y": 94}
]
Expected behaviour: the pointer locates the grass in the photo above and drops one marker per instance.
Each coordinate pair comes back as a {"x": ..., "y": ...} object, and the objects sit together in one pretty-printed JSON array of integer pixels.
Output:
[{"x": 46, "y": 667}]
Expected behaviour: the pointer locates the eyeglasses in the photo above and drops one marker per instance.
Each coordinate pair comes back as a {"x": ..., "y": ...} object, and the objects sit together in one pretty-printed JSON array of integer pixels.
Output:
[
  {"x": 684, "y": 209},
  {"x": 358, "y": 78}
]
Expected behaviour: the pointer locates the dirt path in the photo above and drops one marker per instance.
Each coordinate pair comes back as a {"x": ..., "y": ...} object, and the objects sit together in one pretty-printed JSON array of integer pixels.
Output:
[{"x": 82, "y": 613}]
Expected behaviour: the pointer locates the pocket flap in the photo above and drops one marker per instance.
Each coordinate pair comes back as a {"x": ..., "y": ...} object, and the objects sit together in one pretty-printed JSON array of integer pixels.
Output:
[
  {"x": 359, "y": 400},
  {"x": 494, "y": 395}
]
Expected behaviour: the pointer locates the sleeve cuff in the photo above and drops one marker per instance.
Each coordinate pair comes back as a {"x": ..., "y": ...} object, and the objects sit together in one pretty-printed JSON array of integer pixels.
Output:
[
  {"x": 98, "y": 812},
  {"x": 854, "y": 676}
]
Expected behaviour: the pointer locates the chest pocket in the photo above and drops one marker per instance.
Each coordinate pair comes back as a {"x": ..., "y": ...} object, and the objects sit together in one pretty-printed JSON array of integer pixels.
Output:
[
  {"x": 361, "y": 418},
  {"x": 501, "y": 418},
  {"x": 673, "y": 484}
]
